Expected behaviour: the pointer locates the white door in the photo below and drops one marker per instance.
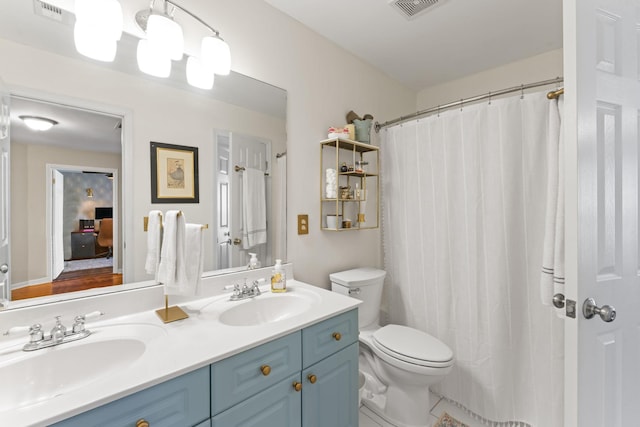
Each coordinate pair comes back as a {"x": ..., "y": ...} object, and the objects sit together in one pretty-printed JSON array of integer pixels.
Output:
[
  {"x": 252, "y": 152},
  {"x": 223, "y": 214},
  {"x": 5, "y": 276},
  {"x": 602, "y": 106},
  {"x": 57, "y": 229}
]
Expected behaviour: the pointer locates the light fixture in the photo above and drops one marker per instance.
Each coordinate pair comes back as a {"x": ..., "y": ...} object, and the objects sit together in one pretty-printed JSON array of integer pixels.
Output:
[
  {"x": 216, "y": 55},
  {"x": 89, "y": 192},
  {"x": 98, "y": 28},
  {"x": 151, "y": 62},
  {"x": 197, "y": 75},
  {"x": 165, "y": 36},
  {"x": 165, "y": 41},
  {"x": 38, "y": 123}
]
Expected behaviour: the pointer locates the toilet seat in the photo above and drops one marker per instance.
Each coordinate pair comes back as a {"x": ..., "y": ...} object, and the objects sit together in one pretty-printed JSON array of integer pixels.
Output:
[{"x": 412, "y": 346}]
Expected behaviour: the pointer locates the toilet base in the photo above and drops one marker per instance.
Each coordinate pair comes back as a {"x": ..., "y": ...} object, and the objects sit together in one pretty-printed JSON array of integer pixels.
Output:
[{"x": 409, "y": 406}]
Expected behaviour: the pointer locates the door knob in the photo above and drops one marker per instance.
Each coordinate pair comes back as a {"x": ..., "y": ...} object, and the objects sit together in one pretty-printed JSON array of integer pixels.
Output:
[
  {"x": 237, "y": 241},
  {"x": 4, "y": 268},
  {"x": 590, "y": 309}
]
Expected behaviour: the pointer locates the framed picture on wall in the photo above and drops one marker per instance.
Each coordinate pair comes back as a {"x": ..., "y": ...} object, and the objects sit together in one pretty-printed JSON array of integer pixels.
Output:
[{"x": 174, "y": 173}]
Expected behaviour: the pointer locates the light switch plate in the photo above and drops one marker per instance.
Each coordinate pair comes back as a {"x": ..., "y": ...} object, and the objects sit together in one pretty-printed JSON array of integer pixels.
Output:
[{"x": 303, "y": 224}]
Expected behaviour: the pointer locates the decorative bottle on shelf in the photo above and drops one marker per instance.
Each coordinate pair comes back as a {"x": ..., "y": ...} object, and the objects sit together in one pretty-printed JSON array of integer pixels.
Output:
[{"x": 278, "y": 278}]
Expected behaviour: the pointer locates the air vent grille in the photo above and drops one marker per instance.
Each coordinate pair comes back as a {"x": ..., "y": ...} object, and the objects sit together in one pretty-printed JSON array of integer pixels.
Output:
[
  {"x": 412, "y": 8},
  {"x": 47, "y": 10}
]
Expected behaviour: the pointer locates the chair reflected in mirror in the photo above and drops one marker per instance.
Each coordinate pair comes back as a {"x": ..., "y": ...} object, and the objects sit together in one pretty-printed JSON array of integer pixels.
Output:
[{"x": 105, "y": 235}]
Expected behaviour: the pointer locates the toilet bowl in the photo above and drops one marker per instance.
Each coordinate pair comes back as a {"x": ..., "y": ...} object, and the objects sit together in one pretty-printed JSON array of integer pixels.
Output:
[{"x": 399, "y": 362}]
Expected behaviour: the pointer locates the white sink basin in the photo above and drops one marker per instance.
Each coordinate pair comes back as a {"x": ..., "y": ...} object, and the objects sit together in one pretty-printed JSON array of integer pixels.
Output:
[
  {"x": 266, "y": 308},
  {"x": 32, "y": 377}
]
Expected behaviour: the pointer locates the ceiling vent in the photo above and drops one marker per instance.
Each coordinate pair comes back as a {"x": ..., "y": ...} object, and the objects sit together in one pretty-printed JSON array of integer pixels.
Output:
[
  {"x": 411, "y": 9},
  {"x": 52, "y": 12}
]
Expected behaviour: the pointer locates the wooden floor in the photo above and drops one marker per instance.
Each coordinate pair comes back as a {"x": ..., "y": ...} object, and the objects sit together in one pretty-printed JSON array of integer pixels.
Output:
[{"x": 79, "y": 280}]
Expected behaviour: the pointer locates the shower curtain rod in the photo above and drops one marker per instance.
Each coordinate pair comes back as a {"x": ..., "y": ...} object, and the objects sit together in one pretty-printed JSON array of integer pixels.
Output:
[{"x": 476, "y": 98}]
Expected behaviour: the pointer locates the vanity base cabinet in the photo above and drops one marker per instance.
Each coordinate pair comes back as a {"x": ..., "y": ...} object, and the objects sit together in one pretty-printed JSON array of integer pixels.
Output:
[
  {"x": 279, "y": 405},
  {"x": 331, "y": 400},
  {"x": 181, "y": 402}
]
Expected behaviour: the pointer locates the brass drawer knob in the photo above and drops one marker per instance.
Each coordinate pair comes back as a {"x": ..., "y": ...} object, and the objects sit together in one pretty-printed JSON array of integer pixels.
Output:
[
  {"x": 297, "y": 386},
  {"x": 265, "y": 369},
  {"x": 142, "y": 423},
  {"x": 337, "y": 336},
  {"x": 312, "y": 378}
]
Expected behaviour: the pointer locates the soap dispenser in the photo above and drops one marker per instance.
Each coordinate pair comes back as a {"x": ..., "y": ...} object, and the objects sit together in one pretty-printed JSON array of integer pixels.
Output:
[
  {"x": 278, "y": 278},
  {"x": 253, "y": 262}
]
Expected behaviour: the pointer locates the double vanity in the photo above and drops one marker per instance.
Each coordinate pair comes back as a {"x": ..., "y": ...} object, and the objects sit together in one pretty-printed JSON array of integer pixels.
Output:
[{"x": 274, "y": 360}]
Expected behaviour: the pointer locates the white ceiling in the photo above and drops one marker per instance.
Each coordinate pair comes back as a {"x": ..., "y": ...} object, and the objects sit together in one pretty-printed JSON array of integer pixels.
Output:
[{"x": 453, "y": 39}]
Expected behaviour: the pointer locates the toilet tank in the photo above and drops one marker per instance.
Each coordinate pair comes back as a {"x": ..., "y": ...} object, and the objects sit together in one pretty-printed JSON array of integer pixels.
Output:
[{"x": 364, "y": 284}]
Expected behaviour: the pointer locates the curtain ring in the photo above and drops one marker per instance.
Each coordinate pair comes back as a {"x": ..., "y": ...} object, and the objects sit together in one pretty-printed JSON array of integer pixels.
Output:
[
  {"x": 521, "y": 91},
  {"x": 461, "y": 104},
  {"x": 489, "y": 98},
  {"x": 438, "y": 111}
]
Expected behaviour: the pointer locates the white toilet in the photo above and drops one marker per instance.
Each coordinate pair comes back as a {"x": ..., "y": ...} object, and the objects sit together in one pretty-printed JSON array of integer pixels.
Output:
[{"x": 400, "y": 363}]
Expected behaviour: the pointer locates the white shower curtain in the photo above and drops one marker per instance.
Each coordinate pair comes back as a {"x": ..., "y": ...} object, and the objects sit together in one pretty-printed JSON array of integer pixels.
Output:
[{"x": 464, "y": 196}]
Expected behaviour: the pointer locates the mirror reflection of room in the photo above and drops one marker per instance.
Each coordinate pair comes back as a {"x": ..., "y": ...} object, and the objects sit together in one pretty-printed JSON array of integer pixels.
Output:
[{"x": 70, "y": 173}]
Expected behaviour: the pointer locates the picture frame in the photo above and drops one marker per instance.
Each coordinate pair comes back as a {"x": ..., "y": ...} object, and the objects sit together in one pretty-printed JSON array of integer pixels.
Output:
[{"x": 174, "y": 173}]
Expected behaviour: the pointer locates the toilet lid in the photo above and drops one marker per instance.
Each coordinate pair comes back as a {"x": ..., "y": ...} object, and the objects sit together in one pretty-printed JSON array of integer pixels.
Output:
[{"x": 412, "y": 345}]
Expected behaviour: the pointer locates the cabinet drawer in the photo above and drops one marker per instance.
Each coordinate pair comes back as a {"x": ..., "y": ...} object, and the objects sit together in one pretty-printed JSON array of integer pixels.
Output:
[
  {"x": 240, "y": 376},
  {"x": 277, "y": 406},
  {"x": 180, "y": 402},
  {"x": 322, "y": 339}
]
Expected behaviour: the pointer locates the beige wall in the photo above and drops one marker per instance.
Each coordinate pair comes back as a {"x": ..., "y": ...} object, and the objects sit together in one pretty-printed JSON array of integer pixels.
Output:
[
  {"x": 271, "y": 47},
  {"x": 537, "y": 68},
  {"x": 28, "y": 206}
]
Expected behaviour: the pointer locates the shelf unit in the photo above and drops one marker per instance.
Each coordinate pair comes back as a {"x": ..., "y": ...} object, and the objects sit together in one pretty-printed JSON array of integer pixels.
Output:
[{"x": 363, "y": 211}]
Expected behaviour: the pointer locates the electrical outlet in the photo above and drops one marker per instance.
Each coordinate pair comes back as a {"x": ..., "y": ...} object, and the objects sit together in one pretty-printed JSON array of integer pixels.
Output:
[{"x": 303, "y": 224}]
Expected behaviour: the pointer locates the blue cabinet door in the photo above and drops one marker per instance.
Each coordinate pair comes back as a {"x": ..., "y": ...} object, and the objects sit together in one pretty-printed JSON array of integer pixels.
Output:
[
  {"x": 241, "y": 376},
  {"x": 277, "y": 406},
  {"x": 181, "y": 402},
  {"x": 330, "y": 391},
  {"x": 325, "y": 338}
]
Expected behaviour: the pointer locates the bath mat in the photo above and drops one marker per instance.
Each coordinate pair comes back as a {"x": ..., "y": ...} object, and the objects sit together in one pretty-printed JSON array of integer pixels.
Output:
[{"x": 447, "y": 420}]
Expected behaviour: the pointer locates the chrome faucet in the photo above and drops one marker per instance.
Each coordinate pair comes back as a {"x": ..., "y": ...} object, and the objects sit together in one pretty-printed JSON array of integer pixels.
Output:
[
  {"x": 58, "y": 335},
  {"x": 246, "y": 291}
]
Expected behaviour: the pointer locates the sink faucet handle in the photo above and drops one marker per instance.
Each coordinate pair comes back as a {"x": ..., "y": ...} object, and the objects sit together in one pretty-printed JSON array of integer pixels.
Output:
[
  {"x": 21, "y": 329},
  {"x": 35, "y": 332},
  {"x": 78, "y": 325}
]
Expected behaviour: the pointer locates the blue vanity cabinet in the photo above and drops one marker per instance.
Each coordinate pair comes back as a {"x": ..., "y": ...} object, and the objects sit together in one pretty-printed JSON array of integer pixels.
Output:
[
  {"x": 236, "y": 378},
  {"x": 278, "y": 406},
  {"x": 206, "y": 423},
  {"x": 330, "y": 374},
  {"x": 325, "y": 338},
  {"x": 181, "y": 402}
]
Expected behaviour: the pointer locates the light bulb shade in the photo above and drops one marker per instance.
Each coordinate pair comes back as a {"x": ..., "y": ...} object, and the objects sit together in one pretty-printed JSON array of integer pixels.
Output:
[
  {"x": 165, "y": 35},
  {"x": 151, "y": 61},
  {"x": 215, "y": 55},
  {"x": 104, "y": 16},
  {"x": 94, "y": 44},
  {"x": 197, "y": 75},
  {"x": 38, "y": 123}
]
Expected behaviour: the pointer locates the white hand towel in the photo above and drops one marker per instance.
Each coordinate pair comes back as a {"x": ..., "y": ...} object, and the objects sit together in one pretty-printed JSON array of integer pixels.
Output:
[
  {"x": 254, "y": 208},
  {"x": 194, "y": 259},
  {"x": 171, "y": 271},
  {"x": 154, "y": 240}
]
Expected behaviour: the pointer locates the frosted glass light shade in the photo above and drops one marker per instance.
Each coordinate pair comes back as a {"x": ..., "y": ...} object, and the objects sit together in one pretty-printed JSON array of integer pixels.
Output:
[
  {"x": 152, "y": 62},
  {"x": 216, "y": 55},
  {"x": 38, "y": 123},
  {"x": 94, "y": 44},
  {"x": 165, "y": 35},
  {"x": 197, "y": 75},
  {"x": 104, "y": 16}
]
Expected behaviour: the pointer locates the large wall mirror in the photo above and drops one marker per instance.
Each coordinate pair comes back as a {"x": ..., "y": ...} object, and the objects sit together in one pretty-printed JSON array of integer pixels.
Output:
[{"x": 91, "y": 173}]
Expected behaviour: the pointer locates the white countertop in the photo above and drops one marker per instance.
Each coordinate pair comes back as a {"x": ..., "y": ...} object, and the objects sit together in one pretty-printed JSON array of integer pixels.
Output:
[{"x": 172, "y": 349}]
